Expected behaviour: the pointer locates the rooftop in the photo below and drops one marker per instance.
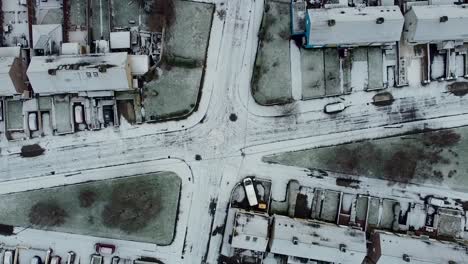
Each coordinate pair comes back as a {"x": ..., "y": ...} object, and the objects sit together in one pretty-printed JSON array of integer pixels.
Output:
[
  {"x": 250, "y": 231},
  {"x": 350, "y": 25},
  {"x": 419, "y": 251},
  {"x": 318, "y": 241}
]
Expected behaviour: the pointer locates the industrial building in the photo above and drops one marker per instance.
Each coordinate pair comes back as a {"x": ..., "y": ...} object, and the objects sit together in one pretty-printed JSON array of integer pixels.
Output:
[
  {"x": 436, "y": 23},
  {"x": 401, "y": 249},
  {"x": 313, "y": 240},
  {"x": 349, "y": 26},
  {"x": 80, "y": 73}
]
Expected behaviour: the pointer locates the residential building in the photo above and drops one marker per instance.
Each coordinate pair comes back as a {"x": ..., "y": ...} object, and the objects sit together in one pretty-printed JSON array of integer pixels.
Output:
[
  {"x": 314, "y": 240},
  {"x": 80, "y": 73},
  {"x": 250, "y": 231},
  {"x": 436, "y": 23},
  {"x": 350, "y": 26},
  {"x": 11, "y": 76},
  {"x": 402, "y": 249}
]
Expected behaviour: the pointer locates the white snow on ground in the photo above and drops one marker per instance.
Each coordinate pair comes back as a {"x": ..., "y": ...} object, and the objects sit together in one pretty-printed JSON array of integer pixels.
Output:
[{"x": 229, "y": 150}]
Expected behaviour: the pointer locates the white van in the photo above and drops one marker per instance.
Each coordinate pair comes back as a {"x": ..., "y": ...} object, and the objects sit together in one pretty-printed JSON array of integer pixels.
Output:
[
  {"x": 334, "y": 107},
  {"x": 8, "y": 257},
  {"x": 250, "y": 191},
  {"x": 436, "y": 201}
]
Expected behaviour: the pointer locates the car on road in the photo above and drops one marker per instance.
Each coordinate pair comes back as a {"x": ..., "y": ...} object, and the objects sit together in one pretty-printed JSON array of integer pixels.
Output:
[
  {"x": 250, "y": 191},
  {"x": 333, "y": 108},
  {"x": 104, "y": 249}
]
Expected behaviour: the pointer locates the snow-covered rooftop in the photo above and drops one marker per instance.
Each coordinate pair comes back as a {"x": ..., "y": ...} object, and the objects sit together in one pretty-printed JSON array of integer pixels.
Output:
[
  {"x": 120, "y": 40},
  {"x": 10, "y": 52},
  {"x": 436, "y": 23},
  {"x": 354, "y": 26},
  {"x": 250, "y": 231},
  {"x": 74, "y": 73},
  {"x": 318, "y": 241},
  {"x": 139, "y": 64},
  {"x": 393, "y": 248},
  {"x": 10, "y": 76}
]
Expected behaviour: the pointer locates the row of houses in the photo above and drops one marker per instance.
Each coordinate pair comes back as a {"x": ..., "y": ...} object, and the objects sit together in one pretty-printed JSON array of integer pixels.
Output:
[
  {"x": 379, "y": 25},
  {"x": 62, "y": 92},
  {"x": 258, "y": 238}
]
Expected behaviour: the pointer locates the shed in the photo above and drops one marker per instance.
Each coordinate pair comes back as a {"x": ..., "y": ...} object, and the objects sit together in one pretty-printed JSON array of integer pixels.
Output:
[
  {"x": 47, "y": 38},
  {"x": 429, "y": 23},
  {"x": 250, "y": 231},
  {"x": 11, "y": 76},
  {"x": 317, "y": 241},
  {"x": 139, "y": 64},
  {"x": 71, "y": 48},
  {"x": 80, "y": 73},
  {"x": 351, "y": 26},
  {"x": 402, "y": 249},
  {"x": 120, "y": 40}
]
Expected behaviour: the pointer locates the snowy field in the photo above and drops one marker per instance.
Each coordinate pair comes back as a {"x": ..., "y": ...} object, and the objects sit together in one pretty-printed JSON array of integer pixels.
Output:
[
  {"x": 271, "y": 81},
  {"x": 141, "y": 208},
  {"x": 174, "y": 93},
  {"x": 429, "y": 157}
]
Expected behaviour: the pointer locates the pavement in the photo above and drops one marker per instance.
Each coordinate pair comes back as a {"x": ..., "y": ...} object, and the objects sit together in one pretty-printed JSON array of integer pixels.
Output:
[{"x": 211, "y": 153}]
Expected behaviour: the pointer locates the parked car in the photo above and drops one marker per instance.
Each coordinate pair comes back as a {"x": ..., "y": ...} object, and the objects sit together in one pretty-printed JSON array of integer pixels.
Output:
[
  {"x": 71, "y": 257},
  {"x": 96, "y": 259},
  {"x": 333, "y": 108},
  {"x": 104, "y": 249},
  {"x": 115, "y": 260},
  {"x": 36, "y": 260},
  {"x": 436, "y": 201},
  {"x": 250, "y": 191},
  {"x": 56, "y": 260},
  {"x": 8, "y": 257}
]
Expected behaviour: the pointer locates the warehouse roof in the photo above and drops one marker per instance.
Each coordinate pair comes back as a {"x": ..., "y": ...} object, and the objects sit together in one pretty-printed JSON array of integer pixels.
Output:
[
  {"x": 418, "y": 251},
  {"x": 354, "y": 26},
  {"x": 318, "y": 241},
  {"x": 436, "y": 23}
]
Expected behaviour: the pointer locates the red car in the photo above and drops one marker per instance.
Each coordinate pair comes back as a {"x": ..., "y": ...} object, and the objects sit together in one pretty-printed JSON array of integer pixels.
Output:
[{"x": 104, "y": 249}]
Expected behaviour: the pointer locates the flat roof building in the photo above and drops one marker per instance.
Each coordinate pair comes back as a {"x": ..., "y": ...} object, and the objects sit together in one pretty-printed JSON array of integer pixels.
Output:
[
  {"x": 317, "y": 241},
  {"x": 402, "y": 249},
  {"x": 350, "y": 26},
  {"x": 80, "y": 73},
  {"x": 432, "y": 24},
  {"x": 250, "y": 231}
]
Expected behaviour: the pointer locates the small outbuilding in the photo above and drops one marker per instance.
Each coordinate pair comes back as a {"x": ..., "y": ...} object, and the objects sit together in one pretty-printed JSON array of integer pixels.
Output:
[{"x": 120, "y": 40}]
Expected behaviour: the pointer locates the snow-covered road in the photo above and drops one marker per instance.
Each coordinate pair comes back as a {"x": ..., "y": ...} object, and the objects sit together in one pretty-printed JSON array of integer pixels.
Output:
[{"x": 229, "y": 150}]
